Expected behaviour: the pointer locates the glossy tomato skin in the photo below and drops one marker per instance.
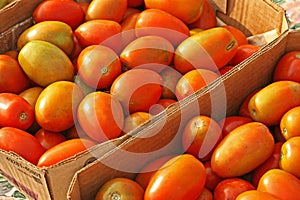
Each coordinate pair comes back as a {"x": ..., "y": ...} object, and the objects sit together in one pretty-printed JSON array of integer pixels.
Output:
[
  {"x": 66, "y": 11},
  {"x": 231, "y": 122},
  {"x": 289, "y": 123},
  {"x": 230, "y": 188},
  {"x": 22, "y": 143},
  {"x": 243, "y": 110},
  {"x": 64, "y": 150},
  {"x": 134, "y": 120},
  {"x": 180, "y": 178},
  {"x": 49, "y": 139},
  {"x": 255, "y": 195},
  {"x": 243, "y": 52},
  {"x": 15, "y": 111}
]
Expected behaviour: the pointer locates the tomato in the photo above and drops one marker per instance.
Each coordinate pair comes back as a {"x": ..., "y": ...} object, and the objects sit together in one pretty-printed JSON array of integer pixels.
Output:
[
  {"x": 212, "y": 179},
  {"x": 10, "y": 71},
  {"x": 281, "y": 184},
  {"x": 277, "y": 134},
  {"x": 240, "y": 37},
  {"x": 49, "y": 139},
  {"x": 230, "y": 188},
  {"x": 65, "y": 11},
  {"x": 22, "y": 143},
  {"x": 271, "y": 163},
  {"x": 255, "y": 195},
  {"x": 144, "y": 176},
  {"x": 130, "y": 11},
  {"x": 161, "y": 105},
  {"x": 94, "y": 122},
  {"x": 193, "y": 81},
  {"x": 209, "y": 49},
  {"x": 290, "y": 156},
  {"x": 56, "y": 106},
  {"x": 12, "y": 53},
  {"x": 106, "y": 9},
  {"x": 147, "y": 49},
  {"x": 287, "y": 68},
  {"x": 15, "y": 111},
  {"x": 134, "y": 3},
  {"x": 84, "y": 6},
  {"x": 225, "y": 69},
  {"x": 31, "y": 94},
  {"x": 120, "y": 188},
  {"x": 200, "y": 136},
  {"x": 243, "y": 110},
  {"x": 187, "y": 11},
  {"x": 243, "y": 52},
  {"x": 170, "y": 78},
  {"x": 182, "y": 177},
  {"x": 268, "y": 106},
  {"x": 134, "y": 120},
  {"x": 205, "y": 194},
  {"x": 98, "y": 66},
  {"x": 75, "y": 132},
  {"x": 231, "y": 122},
  {"x": 137, "y": 89},
  {"x": 128, "y": 29},
  {"x": 160, "y": 23},
  {"x": 289, "y": 123},
  {"x": 63, "y": 151},
  {"x": 252, "y": 143}
]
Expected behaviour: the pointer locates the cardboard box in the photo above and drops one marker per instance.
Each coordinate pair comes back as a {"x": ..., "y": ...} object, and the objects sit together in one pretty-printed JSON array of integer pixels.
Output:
[
  {"x": 133, "y": 154},
  {"x": 159, "y": 133}
]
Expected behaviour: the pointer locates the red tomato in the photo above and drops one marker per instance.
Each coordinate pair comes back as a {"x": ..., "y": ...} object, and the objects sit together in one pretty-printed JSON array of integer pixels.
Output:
[
  {"x": 22, "y": 143},
  {"x": 205, "y": 194},
  {"x": 230, "y": 188},
  {"x": 243, "y": 110},
  {"x": 287, "y": 67},
  {"x": 161, "y": 105},
  {"x": 49, "y": 139},
  {"x": 64, "y": 150},
  {"x": 134, "y": 3},
  {"x": 231, "y": 122},
  {"x": 66, "y": 11},
  {"x": 243, "y": 52},
  {"x": 212, "y": 179},
  {"x": 15, "y": 111},
  {"x": 182, "y": 177},
  {"x": 225, "y": 69}
]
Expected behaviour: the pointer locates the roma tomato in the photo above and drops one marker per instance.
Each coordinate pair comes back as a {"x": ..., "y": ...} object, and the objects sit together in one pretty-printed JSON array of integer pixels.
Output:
[
  {"x": 287, "y": 67},
  {"x": 10, "y": 71},
  {"x": 65, "y": 11},
  {"x": 15, "y": 111},
  {"x": 134, "y": 120},
  {"x": 205, "y": 194},
  {"x": 128, "y": 29},
  {"x": 161, "y": 105},
  {"x": 22, "y": 143},
  {"x": 225, "y": 69},
  {"x": 200, "y": 136},
  {"x": 252, "y": 142},
  {"x": 182, "y": 177},
  {"x": 49, "y": 139},
  {"x": 243, "y": 52},
  {"x": 120, "y": 188},
  {"x": 230, "y": 188},
  {"x": 63, "y": 151},
  {"x": 255, "y": 195},
  {"x": 231, "y": 122},
  {"x": 170, "y": 78},
  {"x": 289, "y": 123},
  {"x": 99, "y": 126},
  {"x": 243, "y": 110},
  {"x": 31, "y": 94},
  {"x": 212, "y": 179},
  {"x": 281, "y": 184},
  {"x": 240, "y": 37}
]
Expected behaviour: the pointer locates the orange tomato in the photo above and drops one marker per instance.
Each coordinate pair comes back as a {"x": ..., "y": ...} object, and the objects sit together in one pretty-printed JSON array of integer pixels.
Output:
[
  {"x": 287, "y": 68},
  {"x": 137, "y": 89},
  {"x": 200, "y": 136},
  {"x": 161, "y": 105},
  {"x": 289, "y": 123},
  {"x": 49, "y": 139},
  {"x": 106, "y": 9},
  {"x": 56, "y": 105},
  {"x": 193, "y": 81},
  {"x": 63, "y": 151},
  {"x": 128, "y": 29},
  {"x": 187, "y": 11},
  {"x": 84, "y": 6},
  {"x": 182, "y": 177},
  {"x": 243, "y": 52},
  {"x": 98, "y": 66},
  {"x": 31, "y": 94},
  {"x": 120, "y": 188},
  {"x": 209, "y": 49},
  {"x": 255, "y": 195},
  {"x": 170, "y": 77},
  {"x": 212, "y": 179},
  {"x": 205, "y": 194},
  {"x": 240, "y": 37},
  {"x": 130, "y": 11},
  {"x": 280, "y": 184},
  {"x": 252, "y": 142},
  {"x": 95, "y": 124},
  {"x": 290, "y": 156},
  {"x": 10, "y": 71},
  {"x": 134, "y": 120}
]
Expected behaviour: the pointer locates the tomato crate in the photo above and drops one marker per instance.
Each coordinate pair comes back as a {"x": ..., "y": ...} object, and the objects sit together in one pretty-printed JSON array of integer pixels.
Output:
[{"x": 261, "y": 19}]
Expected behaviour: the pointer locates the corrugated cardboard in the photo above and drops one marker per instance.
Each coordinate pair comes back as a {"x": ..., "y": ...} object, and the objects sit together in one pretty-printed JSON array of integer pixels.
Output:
[{"x": 160, "y": 133}]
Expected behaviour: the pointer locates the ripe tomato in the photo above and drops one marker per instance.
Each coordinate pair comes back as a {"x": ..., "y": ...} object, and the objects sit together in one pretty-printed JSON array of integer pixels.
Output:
[
  {"x": 130, "y": 11},
  {"x": 120, "y": 188},
  {"x": 230, "y": 188},
  {"x": 12, "y": 53},
  {"x": 49, "y": 139},
  {"x": 200, "y": 136},
  {"x": 243, "y": 110},
  {"x": 31, "y": 94},
  {"x": 161, "y": 105},
  {"x": 137, "y": 89},
  {"x": 22, "y": 143},
  {"x": 170, "y": 78},
  {"x": 280, "y": 183},
  {"x": 240, "y": 37},
  {"x": 205, "y": 194},
  {"x": 75, "y": 132},
  {"x": 98, "y": 66},
  {"x": 66, "y": 11},
  {"x": 15, "y": 111},
  {"x": 212, "y": 179},
  {"x": 56, "y": 106},
  {"x": 287, "y": 68},
  {"x": 10, "y": 71},
  {"x": 180, "y": 178},
  {"x": 193, "y": 81},
  {"x": 63, "y": 151},
  {"x": 134, "y": 3},
  {"x": 289, "y": 123},
  {"x": 106, "y": 9},
  {"x": 231, "y": 122},
  {"x": 225, "y": 69},
  {"x": 94, "y": 122},
  {"x": 255, "y": 195},
  {"x": 243, "y": 52},
  {"x": 128, "y": 29},
  {"x": 134, "y": 120}
]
